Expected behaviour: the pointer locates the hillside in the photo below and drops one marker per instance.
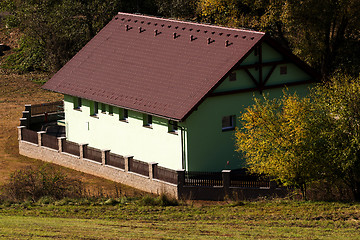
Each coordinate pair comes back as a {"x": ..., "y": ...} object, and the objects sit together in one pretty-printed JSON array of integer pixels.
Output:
[{"x": 16, "y": 91}]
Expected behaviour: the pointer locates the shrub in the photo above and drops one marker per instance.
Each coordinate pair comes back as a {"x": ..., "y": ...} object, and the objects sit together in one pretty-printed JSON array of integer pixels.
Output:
[
  {"x": 162, "y": 200},
  {"x": 33, "y": 184}
]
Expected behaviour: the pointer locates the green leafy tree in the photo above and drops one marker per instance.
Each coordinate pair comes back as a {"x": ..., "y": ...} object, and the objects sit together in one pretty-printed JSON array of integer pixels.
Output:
[
  {"x": 55, "y": 30},
  {"x": 301, "y": 140}
]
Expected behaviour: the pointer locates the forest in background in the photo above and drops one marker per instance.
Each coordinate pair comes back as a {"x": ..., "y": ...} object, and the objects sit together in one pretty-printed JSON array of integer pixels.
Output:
[{"x": 325, "y": 33}]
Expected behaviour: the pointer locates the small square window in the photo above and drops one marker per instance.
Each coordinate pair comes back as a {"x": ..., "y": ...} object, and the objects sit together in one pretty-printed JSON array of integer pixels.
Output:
[
  {"x": 228, "y": 123},
  {"x": 123, "y": 114},
  {"x": 283, "y": 70},
  {"x": 96, "y": 108},
  {"x": 77, "y": 103},
  {"x": 172, "y": 127},
  {"x": 103, "y": 108},
  {"x": 232, "y": 77},
  {"x": 147, "y": 120}
]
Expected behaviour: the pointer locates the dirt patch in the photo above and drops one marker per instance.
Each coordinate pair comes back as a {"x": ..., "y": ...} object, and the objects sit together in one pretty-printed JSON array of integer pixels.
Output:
[{"x": 16, "y": 91}]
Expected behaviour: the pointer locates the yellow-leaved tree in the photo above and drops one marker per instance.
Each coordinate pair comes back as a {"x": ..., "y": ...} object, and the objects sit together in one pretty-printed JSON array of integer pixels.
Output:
[{"x": 301, "y": 140}]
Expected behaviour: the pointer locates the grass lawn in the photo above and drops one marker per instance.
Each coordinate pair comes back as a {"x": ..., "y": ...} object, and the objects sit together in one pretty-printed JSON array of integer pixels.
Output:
[{"x": 277, "y": 219}]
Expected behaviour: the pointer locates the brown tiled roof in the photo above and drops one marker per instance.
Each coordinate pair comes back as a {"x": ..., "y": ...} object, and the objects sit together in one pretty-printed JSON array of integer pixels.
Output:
[{"x": 153, "y": 65}]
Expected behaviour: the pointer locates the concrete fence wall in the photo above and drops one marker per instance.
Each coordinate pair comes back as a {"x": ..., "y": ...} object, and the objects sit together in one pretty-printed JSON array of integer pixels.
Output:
[{"x": 144, "y": 183}]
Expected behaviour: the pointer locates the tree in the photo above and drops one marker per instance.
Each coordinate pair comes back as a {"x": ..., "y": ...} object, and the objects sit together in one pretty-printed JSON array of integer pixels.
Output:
[
  {"x": 278, "y": 138},
  {"x": 55, "y": 30},
  {"x": 324, "y": 33},
  {"x": 301, "y": 140},
  {"x": 183, "y": 9}
]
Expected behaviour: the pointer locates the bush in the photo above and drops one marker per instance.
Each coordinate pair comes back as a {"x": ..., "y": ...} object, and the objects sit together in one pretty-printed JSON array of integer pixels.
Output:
[
  {"x": 162, "y": 200},
  {"x": 34, "y": 184}
]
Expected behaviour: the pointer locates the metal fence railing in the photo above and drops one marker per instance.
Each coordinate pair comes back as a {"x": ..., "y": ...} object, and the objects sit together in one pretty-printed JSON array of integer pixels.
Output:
[
  {"x": 203, "y": 179},
  {"x": 245, "y": 180}
]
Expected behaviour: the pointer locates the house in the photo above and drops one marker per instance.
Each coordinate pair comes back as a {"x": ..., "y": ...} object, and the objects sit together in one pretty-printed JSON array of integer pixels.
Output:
[{"x": 169, "y": 91}]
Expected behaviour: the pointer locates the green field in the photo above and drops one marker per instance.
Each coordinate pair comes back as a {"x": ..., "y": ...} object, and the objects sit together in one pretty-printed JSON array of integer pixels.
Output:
[{"x": 276, "y": 219}]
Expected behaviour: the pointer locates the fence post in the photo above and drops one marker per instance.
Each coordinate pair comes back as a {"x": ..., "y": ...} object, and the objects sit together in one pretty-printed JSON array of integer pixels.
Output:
[
  {"x": 127, "y": 162},
  {"x": 23, "y": 122},
  {"x": 61, "y": 141},
  {"x": 104, "y": 156},
  {"x": 28, "y": 108},
  {"x": 152, "y": 169},
  {"x": 226, "y": 181},
  {"x": 20, "y": 128},
  {"x": 82, "y": 149},
  {"x": 181, "y": 177},
  {"x": 27, "y": 116},
  {"x": 39, "y": 134}
]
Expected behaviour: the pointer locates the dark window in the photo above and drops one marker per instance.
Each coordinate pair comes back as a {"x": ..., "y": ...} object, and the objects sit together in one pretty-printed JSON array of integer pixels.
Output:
[
  {"x": 228, "y": 123},
  {"x": 232, "y": 76},
  {"x": 111, "y": 110},
  {"x": 283, "y": 70},
  {"x": 172, "y": 126},
  {"x": 123, "y": 114},
  {"x": 103, "y": 108},
  {"x": 147, "y": 120},
  {"x": 79, "y": 103},
  {"x": 96, "y": 108}
]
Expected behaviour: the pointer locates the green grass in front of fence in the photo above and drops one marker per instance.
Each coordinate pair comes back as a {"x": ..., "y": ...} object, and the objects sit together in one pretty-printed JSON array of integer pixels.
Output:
[{"x": 134, "y": 219}]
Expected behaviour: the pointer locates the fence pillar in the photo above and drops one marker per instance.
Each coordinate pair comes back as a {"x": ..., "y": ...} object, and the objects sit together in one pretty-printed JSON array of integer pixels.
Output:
[
  {"x": 61, "y": 141},
  {"x": 181, "y": 178},
  {"x": 20, "y": 128},
  {"x": 152, "y": 169},
  {"x": 23, "y": 122},
  {"x": 28, "y": 108},
  {"x": 127, "y": 163},
  {"x": 40, "y": 137},
  {"x": 27, "y": 116},
  {"x": 82, "y": 149},
  {"x": 226, "y": 181},
  {"x": 104, "y": 156}
]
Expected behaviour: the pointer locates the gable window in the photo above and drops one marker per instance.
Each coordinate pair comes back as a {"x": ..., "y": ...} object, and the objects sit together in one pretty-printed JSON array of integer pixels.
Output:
[
  {"x": 228, "y": 123},
  {"x": 147, "y": 120},
  {"x": 77, "y": 103},
  {"x": 232, "y": 77},
  {"x": 172, "y": 127},
  {"x": 283, "y": 70},
  {"x": 123, "y": 114}
]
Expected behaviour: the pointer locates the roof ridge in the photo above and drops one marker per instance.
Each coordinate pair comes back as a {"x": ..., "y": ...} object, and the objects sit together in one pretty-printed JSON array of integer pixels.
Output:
[{"x": 190, "y": 22}]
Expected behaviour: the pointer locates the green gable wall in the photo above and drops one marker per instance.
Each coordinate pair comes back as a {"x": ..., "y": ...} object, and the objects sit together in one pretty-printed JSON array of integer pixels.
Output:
[{"x": 211, "y": 149}]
